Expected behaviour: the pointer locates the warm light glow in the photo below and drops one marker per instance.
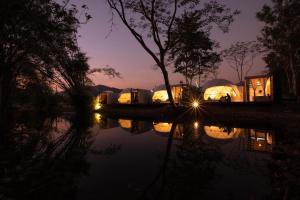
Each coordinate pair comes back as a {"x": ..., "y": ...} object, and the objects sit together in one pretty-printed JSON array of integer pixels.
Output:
[
  {"x": 221, "y": 133},
  {"x": 125, "y": 98},
  {"x": 125, "y": 123},
  {"x": 195, "y": 104},
  {"x": 160, "y": 96},
  {"x": 162, "y": 127},
  {"x": 97, "y": 118},
  {"x": 196, "y": 124},
  {"x": 97, "y": 104},
  {"x": 215, "y": 93}
]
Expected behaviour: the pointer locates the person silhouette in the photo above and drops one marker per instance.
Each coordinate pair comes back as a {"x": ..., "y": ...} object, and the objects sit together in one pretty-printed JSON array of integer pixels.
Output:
[{"x": 228, "y": 98}]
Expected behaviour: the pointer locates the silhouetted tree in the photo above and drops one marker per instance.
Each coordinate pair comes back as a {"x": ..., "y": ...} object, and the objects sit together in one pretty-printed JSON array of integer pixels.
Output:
[
  {"x": 32, "y": 35},
  {"x": 281, "y": 37},
  {"x": 154, "y": 21},
  {"x": 193, "y": 52},
  {"x": 240, "y": 57}
]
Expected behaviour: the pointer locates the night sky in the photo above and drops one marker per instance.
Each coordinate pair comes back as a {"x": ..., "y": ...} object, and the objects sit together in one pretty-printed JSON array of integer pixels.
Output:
[{"x": 121, "y": 51}]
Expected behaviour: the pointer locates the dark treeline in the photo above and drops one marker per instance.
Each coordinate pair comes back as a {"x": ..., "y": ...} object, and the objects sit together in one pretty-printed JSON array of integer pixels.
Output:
[{"x": 39, "y": 53}]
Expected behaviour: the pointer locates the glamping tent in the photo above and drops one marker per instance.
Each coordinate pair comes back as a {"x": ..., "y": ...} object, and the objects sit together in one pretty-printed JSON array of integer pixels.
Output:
[
  {"x": 134, "y": 96},
  {"x": 133, "y": 126},
  {"x": 222, "y": 133},
  {"x": 259, "y": 88},
  {"x": 160, "y": 94},
  {"x": 108, "y": 97},
  {"x": 218, "y": 89}
]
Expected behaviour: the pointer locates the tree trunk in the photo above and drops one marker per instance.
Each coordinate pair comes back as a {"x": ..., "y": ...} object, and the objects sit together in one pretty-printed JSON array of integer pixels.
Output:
[{"x": 168, "y": 87}]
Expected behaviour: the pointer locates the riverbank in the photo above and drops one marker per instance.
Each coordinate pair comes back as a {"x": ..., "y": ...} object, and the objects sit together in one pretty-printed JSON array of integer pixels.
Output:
[{"x": 246, "y": 114}]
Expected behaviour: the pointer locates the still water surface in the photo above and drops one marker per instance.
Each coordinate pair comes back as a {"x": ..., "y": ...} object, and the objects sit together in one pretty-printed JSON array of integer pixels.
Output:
[{"x": 131, "y": 159}]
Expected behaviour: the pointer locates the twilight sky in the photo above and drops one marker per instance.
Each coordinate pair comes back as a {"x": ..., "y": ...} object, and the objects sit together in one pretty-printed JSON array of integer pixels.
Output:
[{"x": 121, "y": 51}]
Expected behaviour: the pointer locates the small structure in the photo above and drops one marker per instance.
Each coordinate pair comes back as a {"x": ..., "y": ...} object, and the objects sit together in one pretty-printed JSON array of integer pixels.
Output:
[
  {"x": 108, "y": 97},
  {"x": 160, "y": 94},
  {"x": 135, "y": 96},
  {"x": 222, "y": 90},
  {"x": 259, "y": 88}
]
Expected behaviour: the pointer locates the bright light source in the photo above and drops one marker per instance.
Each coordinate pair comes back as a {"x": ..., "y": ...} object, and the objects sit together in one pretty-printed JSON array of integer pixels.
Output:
[
  {"x": 97, "y": 118},
  {"x": 97, "y": 106},
  {"x": 196, "y": 124},
  {"x": 195, "y": 104}
]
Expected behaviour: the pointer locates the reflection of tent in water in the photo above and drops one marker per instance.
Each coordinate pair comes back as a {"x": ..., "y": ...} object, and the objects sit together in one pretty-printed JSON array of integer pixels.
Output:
[
  {"x": 164, "y": 128},
  {"x": 134, "y": 126},
  {"x": 260, "y": 140},
  {"x": 160, "y": 94},
  {"x": 218, "y": 89},
  {"x": 222, "y": 133},
  {"x": 134, "y": 96}
]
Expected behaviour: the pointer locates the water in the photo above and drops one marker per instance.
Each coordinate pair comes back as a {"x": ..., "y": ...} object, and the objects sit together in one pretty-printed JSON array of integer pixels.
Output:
[{"x": 131, "y": 159}]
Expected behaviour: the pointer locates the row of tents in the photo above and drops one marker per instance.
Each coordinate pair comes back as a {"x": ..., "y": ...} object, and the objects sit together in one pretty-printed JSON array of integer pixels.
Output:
[
  {"x": 142, "y": 96},
  {"x": 253, "y": 89}
]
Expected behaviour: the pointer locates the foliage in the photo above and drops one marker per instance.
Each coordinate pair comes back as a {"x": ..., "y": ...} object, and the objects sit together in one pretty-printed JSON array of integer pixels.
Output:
[
  {"x": 193, "y": 52},
  {"x": 34, "y": 35},
  {"x": 152, "y": 22},
  {"x": 240, "y": 57},
  {"x": 281, "y": 38}
]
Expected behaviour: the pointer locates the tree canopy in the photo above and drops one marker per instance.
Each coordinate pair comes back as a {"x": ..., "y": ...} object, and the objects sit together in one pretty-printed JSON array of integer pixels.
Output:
[
  {"x": 193, "y": 52},
  {"x": 281, "y": 38}
]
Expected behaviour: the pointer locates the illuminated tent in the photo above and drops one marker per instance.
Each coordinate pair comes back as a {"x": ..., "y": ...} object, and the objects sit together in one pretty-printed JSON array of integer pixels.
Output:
[
  {"x": 221, "y": 133},
  {"x": 160, "y": 94},
  {"x": 131, "y": 96},
  {"x": 217, "y": 89}
]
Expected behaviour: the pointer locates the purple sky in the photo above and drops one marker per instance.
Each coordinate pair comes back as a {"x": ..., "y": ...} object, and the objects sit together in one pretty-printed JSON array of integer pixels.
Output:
[{"x": 121, "y": 51}]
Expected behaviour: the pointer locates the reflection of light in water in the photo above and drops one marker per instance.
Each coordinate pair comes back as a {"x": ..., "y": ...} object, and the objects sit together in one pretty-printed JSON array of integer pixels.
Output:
[
  {"x": 260, "y": 140},
  {"x": 97, "y": 104},
  {"x": 97, "y": 118},
  {"x": 162, "y": 127},
  {"x": 125, "y": 123},
  {"x": 196, "y": 125},
  {"x": 221, "y": 133}
]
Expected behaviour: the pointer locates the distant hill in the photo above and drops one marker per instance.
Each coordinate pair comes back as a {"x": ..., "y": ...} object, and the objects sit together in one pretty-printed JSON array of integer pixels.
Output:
[{"x": 95, "y": 90}]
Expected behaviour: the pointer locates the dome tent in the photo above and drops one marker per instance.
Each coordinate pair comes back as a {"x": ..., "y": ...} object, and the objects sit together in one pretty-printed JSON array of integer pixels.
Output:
[{"x": 217, "y": 89}]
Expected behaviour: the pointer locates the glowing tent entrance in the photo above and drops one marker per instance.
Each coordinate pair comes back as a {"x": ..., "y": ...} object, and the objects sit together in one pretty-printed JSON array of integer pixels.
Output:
[
  {"x": 217, "y": 92},
  {"x": 259, "y": 88}
]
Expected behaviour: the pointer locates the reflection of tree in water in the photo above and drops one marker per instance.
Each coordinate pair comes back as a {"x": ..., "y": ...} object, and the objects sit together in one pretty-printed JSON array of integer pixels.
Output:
[
  {"x": 188, "y": 171},
  {"x": 285, "y": 166},
  {"x": 36, "y": 166}
]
